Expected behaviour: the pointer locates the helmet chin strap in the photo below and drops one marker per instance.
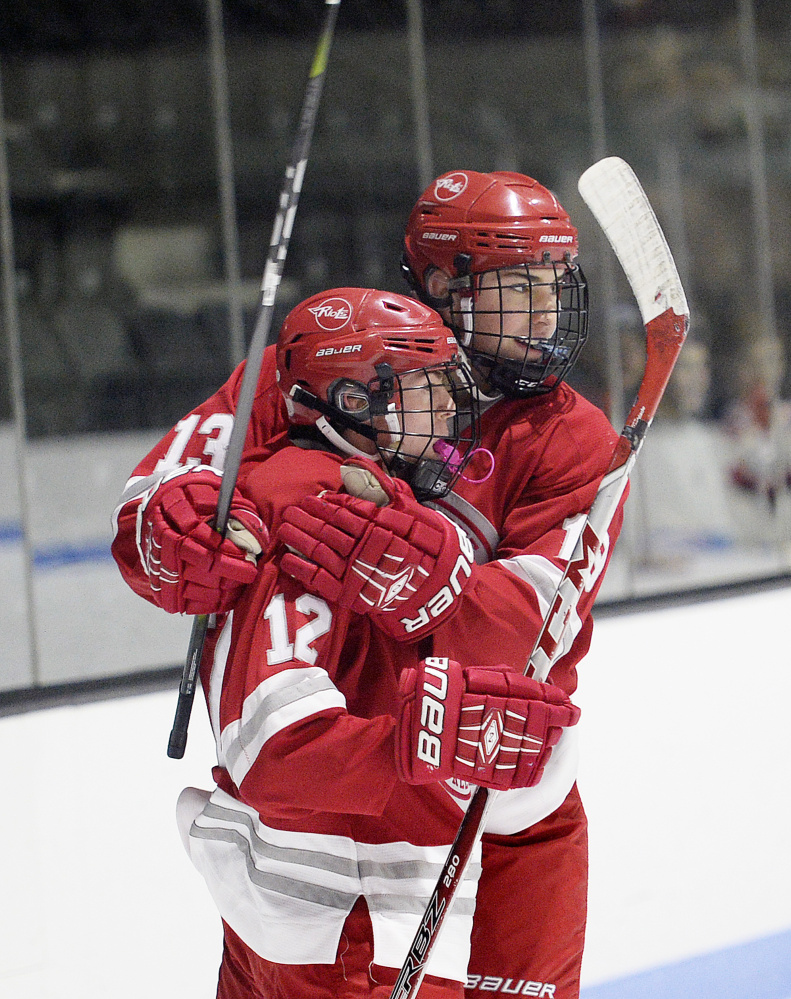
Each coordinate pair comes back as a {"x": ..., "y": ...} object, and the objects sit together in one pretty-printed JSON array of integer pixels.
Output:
[
  {"x": 391, "y": 420},
  {"x": 466, "y": 303},
  {"x": 340, "y": 442}
]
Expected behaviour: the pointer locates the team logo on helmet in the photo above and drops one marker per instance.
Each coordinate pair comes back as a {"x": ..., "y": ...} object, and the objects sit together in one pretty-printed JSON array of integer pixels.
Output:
[
  {"x": 451, "y": 186},
  {"x": 332, "y": 314}
]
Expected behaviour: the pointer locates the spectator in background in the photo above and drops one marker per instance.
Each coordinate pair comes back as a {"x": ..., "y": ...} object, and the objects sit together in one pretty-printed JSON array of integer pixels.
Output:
[
  {"x": 687, "y": 395},
  {"x": 680, "y": 487},
  {"x": 759, "y": 422}
]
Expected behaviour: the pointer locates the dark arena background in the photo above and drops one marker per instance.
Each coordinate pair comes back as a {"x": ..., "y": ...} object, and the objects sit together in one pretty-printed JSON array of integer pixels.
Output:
[{"x": 142, "y": 152}]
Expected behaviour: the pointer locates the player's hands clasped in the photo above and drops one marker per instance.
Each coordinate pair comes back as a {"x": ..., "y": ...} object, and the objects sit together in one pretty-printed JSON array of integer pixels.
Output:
[
  {"x": 191, "y": 568},
  {"x": 489, "y": 726},
  {"x": 401, "y": 564}
]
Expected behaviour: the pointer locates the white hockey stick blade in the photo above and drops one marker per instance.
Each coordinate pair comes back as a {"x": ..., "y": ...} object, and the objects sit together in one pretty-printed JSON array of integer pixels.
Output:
[{"x": 617, "y": 200}]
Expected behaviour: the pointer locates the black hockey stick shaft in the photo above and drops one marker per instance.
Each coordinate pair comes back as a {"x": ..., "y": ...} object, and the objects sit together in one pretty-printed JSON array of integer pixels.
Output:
[
  {"x": 281, "y": 235},
  {"x": 631, "y": 226}
]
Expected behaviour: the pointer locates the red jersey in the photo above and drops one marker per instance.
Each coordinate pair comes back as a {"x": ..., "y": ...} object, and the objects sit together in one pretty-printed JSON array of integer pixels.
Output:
[
  {"x": 310, "y": 813},
  {"x": 200, "y": 438},
  {"x": 550, "y": 453}
]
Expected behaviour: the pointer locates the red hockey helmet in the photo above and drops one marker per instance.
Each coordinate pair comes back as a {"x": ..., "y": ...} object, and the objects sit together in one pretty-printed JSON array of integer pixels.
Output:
[
  {"x": 386, "y": 367},
  {"x": 494, "y": 219},
  {"x": 467, "y": 224}
]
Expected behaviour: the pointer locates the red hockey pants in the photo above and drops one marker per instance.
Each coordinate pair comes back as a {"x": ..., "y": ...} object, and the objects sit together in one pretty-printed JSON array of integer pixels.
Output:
[{"x": 529, "y": 927}]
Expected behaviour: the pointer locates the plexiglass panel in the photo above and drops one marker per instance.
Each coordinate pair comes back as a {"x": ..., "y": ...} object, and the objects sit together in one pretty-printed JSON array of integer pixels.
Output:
[{"x": 122, "y": 298}]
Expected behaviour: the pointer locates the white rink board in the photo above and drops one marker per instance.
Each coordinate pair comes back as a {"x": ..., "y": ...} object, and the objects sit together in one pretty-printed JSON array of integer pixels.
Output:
[
  {"x": 88, "y": 622},
  {"x": 686, "y": 766}
]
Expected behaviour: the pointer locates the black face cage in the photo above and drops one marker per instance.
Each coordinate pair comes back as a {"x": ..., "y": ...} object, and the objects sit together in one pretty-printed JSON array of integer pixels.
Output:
[
  {"x": 508, "y": 363},
  {"x": 407, "y": 412}
]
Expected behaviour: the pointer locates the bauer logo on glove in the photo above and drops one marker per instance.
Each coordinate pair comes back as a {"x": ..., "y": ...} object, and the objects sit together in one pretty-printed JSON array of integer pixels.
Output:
[
  {"x": 487, "y": 726},
  {"x": 443, "y": 599},
  {"x": 432, "y": 712},
  {"x": 386, "y": 556}
]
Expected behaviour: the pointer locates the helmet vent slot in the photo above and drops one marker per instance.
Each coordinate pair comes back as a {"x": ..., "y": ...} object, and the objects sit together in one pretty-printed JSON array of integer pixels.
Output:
[{"x": 422, "y": 344}]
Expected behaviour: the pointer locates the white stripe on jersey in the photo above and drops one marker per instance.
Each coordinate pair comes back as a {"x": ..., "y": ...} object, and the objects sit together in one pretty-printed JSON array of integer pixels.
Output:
[
  {"x": 397, "y": 891},
  {"x": 544, "y": 577},
  {"x": 483, "y": 535},
  {"x": 288, "y": 893},
  {"x": 219, "y": 663},
  {"x": 279, "y": 701}
]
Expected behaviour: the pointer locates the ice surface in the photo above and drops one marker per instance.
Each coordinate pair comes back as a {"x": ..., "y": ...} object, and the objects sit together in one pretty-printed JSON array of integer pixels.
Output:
[{"x": 685, "y": 777}]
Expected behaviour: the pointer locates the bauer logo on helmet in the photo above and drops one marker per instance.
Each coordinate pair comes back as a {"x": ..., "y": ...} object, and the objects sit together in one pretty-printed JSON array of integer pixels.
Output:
[
  {"x": 445, "y": 237},
  {"x": 349, "y": 348}
]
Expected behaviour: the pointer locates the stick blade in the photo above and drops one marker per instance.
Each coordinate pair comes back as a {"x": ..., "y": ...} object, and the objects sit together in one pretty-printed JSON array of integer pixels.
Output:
[{"x": 617, "y": 200}]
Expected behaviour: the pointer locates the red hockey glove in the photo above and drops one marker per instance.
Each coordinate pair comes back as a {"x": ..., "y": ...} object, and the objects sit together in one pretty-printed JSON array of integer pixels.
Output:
[
  {"x": 191, "y": 568},
  {"x": 401, "y": 564},
  {"x": 490, "y": 726}
]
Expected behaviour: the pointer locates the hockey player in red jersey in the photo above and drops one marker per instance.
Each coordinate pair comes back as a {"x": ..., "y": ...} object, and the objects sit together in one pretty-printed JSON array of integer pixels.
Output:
[
  {"x": 321, "y": 842},
  {"x": 485, "y": 249},
  {"x": 494, "y": 253}
]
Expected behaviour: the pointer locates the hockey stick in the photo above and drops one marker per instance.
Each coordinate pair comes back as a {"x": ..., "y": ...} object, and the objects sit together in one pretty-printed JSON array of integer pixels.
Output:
[
  {"x": 281, "y": 234},
  {"x": 614, "y": 195}
]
